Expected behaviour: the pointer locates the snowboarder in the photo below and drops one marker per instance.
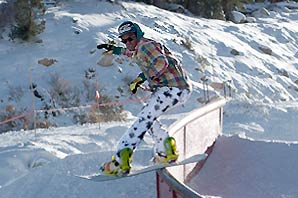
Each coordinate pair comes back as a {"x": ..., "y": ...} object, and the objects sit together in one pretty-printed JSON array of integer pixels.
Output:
[{"x": 171, "y": 87}]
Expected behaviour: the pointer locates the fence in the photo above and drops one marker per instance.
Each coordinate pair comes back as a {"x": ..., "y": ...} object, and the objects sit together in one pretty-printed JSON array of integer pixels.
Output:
[{"x": 33, "y": 112}]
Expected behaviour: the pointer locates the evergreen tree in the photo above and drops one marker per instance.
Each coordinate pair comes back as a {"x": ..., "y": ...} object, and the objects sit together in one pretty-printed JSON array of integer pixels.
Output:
[
  {"x": 205, "y": 8},
  {"x": 28, "y": 19},
  {"x": 213, "y": 9}
]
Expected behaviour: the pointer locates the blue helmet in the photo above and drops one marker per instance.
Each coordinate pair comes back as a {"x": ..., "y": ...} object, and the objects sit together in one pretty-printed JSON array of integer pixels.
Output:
[{"x": 129, "y": 26}]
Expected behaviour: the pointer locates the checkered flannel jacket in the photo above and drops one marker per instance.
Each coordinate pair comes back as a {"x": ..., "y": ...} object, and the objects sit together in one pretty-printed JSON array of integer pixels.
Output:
[{"x": 158, "y": 65}]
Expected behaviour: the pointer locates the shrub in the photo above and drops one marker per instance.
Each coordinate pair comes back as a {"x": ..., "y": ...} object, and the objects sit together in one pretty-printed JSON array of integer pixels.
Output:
[
  {"x": 110, "y": 112},
  {"x": 187, "y": 43},
  {"x": 98, "y": 114},
  {"x": 204, "y": 63},
  {"x": 64, "y": 96},
  {"x": 16, "y": 93},
  {"x": 62, "y": 93},
  {"x": 11, "y": 111}
]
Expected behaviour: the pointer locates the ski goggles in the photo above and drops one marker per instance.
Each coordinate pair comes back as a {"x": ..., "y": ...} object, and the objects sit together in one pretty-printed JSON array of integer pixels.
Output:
[{"x": 129, "y": 39}]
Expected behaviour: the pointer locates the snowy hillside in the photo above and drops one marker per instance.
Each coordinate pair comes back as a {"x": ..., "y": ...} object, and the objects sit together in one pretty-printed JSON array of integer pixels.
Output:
[{"x": 258, "y": 60}]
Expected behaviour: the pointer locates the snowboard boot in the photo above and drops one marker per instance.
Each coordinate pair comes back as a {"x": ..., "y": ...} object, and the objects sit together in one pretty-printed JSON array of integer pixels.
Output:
[
  {"x": 171, "y": 154},
  {"x": 114, "y": 167}
]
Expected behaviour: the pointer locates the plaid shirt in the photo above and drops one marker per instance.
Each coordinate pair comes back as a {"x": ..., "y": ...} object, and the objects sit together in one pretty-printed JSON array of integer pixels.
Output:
[{"x": 158, "y": 65}]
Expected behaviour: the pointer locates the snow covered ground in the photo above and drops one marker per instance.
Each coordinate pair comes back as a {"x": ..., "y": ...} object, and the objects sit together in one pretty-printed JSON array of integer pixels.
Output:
[
  {"x": 244, "y": 168},
  {"x": 262, "y": 112},
  {"x": 44, "y": 165}
]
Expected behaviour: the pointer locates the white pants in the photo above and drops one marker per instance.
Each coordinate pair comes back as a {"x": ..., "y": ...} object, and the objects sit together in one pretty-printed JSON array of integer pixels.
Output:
[{"x": 161, "y": 101}]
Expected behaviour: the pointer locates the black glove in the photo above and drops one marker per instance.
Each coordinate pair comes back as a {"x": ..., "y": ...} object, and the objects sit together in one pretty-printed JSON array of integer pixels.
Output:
[{"x": 108, "y": 47}]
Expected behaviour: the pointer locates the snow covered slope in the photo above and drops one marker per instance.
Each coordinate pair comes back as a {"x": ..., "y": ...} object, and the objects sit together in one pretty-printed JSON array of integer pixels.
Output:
[{"x": 259, "y": 60}]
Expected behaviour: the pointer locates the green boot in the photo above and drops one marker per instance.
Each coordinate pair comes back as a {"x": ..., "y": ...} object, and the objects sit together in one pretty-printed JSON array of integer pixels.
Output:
[
  {"x": 125, "y": 156},
  {"x": 170, "y": 155},
  {"x": 114, "y": 168},
  {"x": 171, "y": 150}
]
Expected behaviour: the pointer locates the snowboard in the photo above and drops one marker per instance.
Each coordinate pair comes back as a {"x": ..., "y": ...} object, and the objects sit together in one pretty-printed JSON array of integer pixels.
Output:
[{"x": 100, "y": 177}]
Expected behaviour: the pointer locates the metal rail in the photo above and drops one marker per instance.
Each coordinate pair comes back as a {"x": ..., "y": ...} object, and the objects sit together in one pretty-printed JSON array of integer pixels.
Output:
[{"x": 177, "y": 186}]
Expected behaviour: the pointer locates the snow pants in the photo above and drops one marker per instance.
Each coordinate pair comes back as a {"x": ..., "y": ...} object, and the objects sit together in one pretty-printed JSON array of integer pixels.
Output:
[{"x": 161, "y": 101}]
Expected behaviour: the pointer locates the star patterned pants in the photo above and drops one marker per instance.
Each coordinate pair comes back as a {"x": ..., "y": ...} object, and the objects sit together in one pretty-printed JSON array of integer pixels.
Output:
[{"x": 161, "y": 101}]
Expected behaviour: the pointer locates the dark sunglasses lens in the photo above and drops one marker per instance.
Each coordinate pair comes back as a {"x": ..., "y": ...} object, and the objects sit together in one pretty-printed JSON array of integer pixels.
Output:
[{"x": 126, "y": 40}]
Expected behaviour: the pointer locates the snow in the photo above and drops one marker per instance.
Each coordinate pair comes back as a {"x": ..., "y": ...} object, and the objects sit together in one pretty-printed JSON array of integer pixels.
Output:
[
  {"x": 261, "y": 169},
  {"x": 44, "y": 164},
  {"x": 238, "y": 17},
  {"x": 253, "y": 158}
]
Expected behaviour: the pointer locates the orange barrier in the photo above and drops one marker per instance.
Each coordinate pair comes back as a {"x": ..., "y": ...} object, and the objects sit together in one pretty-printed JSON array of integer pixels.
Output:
[
  {"x": 16, "y": 117},
  {"x": 73, "y": 108}
]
